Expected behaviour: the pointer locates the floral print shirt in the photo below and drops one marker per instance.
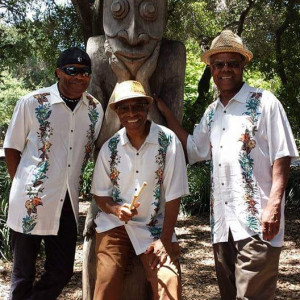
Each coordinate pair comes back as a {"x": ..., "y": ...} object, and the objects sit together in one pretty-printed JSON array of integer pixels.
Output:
[
  {"x": 56, "y": 144},
  {"x": 120, "y": 172},
  {"x": 242, "y": 140}
]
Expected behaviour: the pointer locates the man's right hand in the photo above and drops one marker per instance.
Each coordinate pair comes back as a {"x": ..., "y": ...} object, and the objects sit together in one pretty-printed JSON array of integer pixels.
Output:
[
  {"x": 125, "y": 214},
  {"x": 161, "y": 105}
]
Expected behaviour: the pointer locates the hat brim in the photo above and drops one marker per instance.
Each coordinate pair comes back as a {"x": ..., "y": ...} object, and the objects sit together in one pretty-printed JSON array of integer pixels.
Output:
[
  {"x": 114, "y": 104},
  {"x": 207, "y": 54}
]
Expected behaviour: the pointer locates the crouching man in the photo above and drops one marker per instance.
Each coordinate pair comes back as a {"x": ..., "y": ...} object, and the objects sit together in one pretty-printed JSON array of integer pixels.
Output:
[{"x": 141, "y": 151}]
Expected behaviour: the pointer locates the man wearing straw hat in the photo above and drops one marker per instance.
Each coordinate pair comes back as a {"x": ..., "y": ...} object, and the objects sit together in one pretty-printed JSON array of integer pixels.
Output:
[
  {"x": 141, "y": 151},
  {"x": 246, "y": 135}
]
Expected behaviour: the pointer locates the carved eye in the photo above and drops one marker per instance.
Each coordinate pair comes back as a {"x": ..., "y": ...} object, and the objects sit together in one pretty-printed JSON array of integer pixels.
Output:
[
  {"x": 119, "y": 9},
  {"x": 148, "y": 10}
]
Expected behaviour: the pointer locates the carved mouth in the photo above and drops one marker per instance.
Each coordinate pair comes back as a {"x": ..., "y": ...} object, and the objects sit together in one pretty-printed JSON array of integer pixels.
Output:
[{"x": 131, "y": 56}]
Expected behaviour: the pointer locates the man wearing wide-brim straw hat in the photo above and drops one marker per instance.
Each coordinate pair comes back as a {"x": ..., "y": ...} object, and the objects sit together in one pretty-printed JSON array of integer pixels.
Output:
[
  {"x": 246, "y": 135},
  {"x": 147, "y": 157}
]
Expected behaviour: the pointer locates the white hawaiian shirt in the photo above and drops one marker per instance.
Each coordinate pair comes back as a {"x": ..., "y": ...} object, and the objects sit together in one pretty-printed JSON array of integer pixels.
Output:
[
  {"x": 56, "y": 144},
  {"x": 120, "y": 172},
  {"x": 243, "y": 140}
]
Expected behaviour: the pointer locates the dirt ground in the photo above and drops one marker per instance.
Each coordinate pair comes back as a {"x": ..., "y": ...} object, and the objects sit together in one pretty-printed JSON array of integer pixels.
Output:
[{"x": 199, "y": 280}]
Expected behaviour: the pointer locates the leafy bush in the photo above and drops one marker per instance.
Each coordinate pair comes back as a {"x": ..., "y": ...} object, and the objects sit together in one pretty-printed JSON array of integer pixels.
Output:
[
  {"x": 87, "y": 181},
  {"x": 199, "y": 185},
  {"x": 5, "y": 251},
  {"x": 293, "y": 189}
]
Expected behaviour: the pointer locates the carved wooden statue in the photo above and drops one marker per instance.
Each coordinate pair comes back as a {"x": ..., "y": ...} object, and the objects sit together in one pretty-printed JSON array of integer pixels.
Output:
[{"x": 132, "y": 48}]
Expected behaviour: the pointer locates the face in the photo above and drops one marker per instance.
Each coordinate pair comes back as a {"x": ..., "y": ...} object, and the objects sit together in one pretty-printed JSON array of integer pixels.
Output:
[
  {"x": 133, "y": 28},
  {"x": 133, "y": 113},
  {"x": 73, "y": 86},
  {"x": 227, "y": 71}
]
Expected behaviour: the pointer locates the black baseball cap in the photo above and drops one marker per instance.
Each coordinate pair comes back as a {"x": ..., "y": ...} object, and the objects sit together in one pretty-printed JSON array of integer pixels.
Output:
[{"x": 73, "y": 55}]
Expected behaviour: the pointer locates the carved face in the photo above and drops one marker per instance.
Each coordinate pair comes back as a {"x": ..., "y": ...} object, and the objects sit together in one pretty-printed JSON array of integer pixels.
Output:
[{"x": 133, "y": 28}]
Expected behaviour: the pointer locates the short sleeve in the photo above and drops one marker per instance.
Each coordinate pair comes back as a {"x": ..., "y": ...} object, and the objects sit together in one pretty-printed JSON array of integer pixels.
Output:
[
  {"x": 175, "y": 179},
  {"x": 198, "y": 144},
  {"x": 280, "y": 138},
  {"x": 101, "y": 183},
  {"x": 19, "y": 126}
]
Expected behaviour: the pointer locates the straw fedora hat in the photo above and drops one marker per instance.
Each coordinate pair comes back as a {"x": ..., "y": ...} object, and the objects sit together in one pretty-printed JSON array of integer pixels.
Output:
[
  {"x": 227, "y": 41},
  {"x": 127, "y": 90}
]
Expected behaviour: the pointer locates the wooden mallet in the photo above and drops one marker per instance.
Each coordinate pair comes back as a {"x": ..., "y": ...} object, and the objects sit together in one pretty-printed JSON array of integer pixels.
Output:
[{"x": 136, "y": 196}]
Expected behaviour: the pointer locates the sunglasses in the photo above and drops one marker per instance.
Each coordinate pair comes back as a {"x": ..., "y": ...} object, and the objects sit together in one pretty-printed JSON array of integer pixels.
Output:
[
  {"x": 74, "y": 71},
  {"x": 133, "y": 107},
  {"x": 219, "y": 65}
]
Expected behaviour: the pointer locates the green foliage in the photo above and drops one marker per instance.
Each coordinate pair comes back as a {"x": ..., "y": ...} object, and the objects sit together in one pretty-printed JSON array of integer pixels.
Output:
[
  {"x": 5, "y": 251},
  {"x": 199, "y": 185},
  {"x": 293, "y": 189},
  {"x": 11, "y": 89},
  {"x": 87, "y": 181},
  {"x": 194, "y": 69}
]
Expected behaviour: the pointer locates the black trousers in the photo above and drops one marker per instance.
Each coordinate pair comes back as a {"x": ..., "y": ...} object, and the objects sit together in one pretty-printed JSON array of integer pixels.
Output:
[{"x": 60, "y": 254}]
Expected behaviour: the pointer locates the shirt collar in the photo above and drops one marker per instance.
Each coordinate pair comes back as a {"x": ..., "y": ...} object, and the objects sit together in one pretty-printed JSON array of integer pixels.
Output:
[
  {"x": 151, "y": 137},
  {"x": 241, "y": 96},
  {"x": 55, "y": 97}
]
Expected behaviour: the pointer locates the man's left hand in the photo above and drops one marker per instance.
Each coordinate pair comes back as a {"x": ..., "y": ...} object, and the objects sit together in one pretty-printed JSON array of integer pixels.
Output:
[
  {"x": 270, "y": 221},
  {"x": 160, "y": 253}
]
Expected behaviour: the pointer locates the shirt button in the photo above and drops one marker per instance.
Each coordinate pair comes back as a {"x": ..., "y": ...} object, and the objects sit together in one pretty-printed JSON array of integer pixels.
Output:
[
  {"x": 72, "y": 130},
  {"x": 226, "y": 202},
  {"x": 135, "y": 189},
  {"x": 224, "y": 111},
  {"x": 222, "y": 183},
  {"x": 219, "y": 165},
  {"x": 61, "y": 200},
  {"x": 221, "y": 147},
  {"x": 223, "y": 129},
  {"x": 136, "y": 171},
  {"x": 70, "y": 148},
  {"x": 69, "y": 166},
  {"x": 137, "y": 154}
]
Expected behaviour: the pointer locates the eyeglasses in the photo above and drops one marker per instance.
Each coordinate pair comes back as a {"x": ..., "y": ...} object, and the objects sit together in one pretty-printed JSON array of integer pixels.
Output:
[
  {"x": 134, "y": 107},
  {"x": 74, "y": 71},
  {"x": 219, "y": 65}
]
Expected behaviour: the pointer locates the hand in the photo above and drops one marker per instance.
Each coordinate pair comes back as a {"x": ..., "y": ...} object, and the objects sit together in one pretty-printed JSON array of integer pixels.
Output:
[
  {"x": 125, "y": 214},
  {"x": 146, "y": 70},
  {"x": 159, "y": 251},
  {"x": 161, "y": 105},
  {"x": 116, "y": 65},
  {"x": 270, "y": 220}
]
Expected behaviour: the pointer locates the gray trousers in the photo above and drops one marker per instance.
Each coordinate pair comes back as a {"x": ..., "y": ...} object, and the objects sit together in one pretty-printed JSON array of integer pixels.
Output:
[{"x": 246, "y": 269}]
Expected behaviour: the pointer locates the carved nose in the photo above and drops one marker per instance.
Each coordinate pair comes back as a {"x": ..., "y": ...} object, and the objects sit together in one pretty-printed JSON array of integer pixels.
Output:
[{"x": 132, "y": 38}]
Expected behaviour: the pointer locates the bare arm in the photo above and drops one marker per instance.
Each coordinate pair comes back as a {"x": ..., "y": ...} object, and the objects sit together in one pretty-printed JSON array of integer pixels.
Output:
[
  {"x": 109, "y": 206},
  {"x": 12, "y": 158},
  {"x": 272, "y": 212},
  {"x": 162, "y": 247},
  {"x": 173, "y": 124}
]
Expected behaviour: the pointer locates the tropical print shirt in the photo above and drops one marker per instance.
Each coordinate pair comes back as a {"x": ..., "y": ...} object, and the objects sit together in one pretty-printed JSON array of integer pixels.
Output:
[
  {"x": 242, "y": 140},
  {"x": 56, "y": 144},
  {"x": 120, "y": 172}
]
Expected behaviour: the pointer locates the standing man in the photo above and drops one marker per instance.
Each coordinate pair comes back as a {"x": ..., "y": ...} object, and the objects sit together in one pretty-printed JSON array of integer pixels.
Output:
[
  {"x": 141, "y": 151},
  {"x": 48, "y": 143},
  {"x": 246, "y": 134}
]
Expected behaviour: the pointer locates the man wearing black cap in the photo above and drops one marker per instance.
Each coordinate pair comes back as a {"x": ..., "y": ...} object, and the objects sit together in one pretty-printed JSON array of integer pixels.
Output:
[{"x": 47, "y": 145}]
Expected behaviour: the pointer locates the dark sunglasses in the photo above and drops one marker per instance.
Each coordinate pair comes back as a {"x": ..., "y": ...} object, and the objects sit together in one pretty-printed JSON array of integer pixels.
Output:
[
  {"x": 219, "y": 65},
  {"x": 73, "y": 71},
  {"x": 134, "y": 107}
]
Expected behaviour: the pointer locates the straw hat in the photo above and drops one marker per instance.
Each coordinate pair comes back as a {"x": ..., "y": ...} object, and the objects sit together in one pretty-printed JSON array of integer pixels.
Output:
[
  {"x": 127, "y": 90},
  {"x": 227, "y": 41}
]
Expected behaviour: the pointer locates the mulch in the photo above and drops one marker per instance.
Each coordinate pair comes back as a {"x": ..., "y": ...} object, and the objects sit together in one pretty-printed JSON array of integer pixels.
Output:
[{"x": 198, "y": 275}]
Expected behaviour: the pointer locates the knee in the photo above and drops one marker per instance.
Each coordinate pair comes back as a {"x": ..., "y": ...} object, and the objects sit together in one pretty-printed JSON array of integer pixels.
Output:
[{"x": 168, "y": 276}]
